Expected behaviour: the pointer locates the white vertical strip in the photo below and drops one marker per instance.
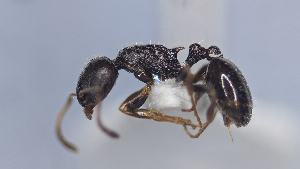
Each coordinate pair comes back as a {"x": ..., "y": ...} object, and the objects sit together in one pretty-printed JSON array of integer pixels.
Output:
[{"x": 186, "y": 21}]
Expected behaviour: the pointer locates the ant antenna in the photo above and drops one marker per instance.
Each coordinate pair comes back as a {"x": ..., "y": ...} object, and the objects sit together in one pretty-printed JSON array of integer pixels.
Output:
[
  {"x": 101, "y": 126},
  {"x": 88, "y": 110},
  {"x": 58, "y": 124}
]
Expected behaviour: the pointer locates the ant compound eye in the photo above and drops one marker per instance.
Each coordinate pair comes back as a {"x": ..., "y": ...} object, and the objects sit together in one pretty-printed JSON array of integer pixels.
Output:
[{"x": 96, "y": 81}]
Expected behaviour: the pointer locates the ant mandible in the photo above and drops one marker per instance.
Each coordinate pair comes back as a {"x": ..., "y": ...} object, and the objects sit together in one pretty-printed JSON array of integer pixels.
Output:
[{"x": 219, "y": 78}]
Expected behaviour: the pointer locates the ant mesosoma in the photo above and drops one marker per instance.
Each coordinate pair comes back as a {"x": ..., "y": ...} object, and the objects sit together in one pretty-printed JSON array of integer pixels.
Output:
[{"x": 219, "y": 78}]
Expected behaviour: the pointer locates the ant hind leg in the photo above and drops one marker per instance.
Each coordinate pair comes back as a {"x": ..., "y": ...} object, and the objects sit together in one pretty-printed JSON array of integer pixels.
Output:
[
  {"x": 131, "y": 106},
  {"x": 188, "y": 81}
]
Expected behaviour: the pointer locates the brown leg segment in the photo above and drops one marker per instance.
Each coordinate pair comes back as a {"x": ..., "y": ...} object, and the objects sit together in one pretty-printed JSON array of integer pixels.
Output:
[
  {"x": 211, "y": 113},
  {"x": 200, "y": 74},
  {"x": 188, "y": 82},
  {"x": 132, "y": 104},
  {"x": 196, "y": 91}
]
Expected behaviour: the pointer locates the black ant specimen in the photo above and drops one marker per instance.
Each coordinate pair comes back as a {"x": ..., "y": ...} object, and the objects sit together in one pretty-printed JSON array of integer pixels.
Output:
[{"x": 219, "y": 78}]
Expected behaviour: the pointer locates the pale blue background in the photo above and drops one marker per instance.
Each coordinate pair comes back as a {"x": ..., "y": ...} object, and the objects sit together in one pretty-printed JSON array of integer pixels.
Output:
[{"x": 45, "y": 44}]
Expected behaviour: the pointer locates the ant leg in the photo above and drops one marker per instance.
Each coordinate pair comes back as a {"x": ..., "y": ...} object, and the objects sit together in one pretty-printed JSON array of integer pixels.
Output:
[
  {"x": 58, "y": 124},
  {"x": 227, "y": 123},
  {"x": 198, "y": 90},
  {"x": 101, "y": 126},
  {"x": 200, "y": 74},
  {"x": 132, "y": 104},
  {"x": 188, "y": 81},
  {"x": 211, "y": 113},
  {"x": 158, "y": 116}
]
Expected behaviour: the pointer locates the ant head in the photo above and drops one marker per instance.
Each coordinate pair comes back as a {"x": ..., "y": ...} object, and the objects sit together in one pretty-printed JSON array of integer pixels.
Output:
[{"x": 95, "y": 82}]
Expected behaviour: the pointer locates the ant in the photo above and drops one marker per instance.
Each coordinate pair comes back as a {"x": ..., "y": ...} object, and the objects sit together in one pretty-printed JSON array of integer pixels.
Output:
[{"x": 219, "y": 78}]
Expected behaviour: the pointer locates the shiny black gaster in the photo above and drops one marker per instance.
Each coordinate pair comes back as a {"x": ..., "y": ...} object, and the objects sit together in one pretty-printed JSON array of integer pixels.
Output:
[{"x": 229, "y": 87}]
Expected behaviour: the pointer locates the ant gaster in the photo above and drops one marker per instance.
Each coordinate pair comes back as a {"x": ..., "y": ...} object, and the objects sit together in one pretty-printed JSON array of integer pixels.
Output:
[{"x": 219, "y": 78}]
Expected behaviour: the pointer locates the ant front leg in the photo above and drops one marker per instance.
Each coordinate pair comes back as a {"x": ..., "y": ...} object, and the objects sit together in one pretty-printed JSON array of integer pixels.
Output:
[{"x": 131, "y": 106}]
